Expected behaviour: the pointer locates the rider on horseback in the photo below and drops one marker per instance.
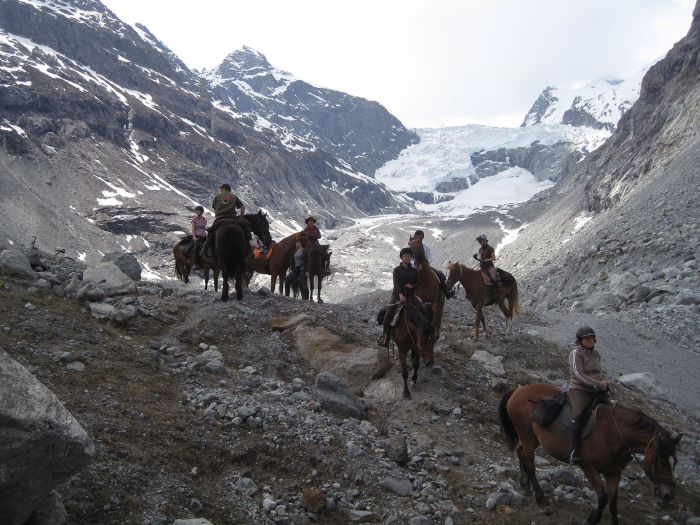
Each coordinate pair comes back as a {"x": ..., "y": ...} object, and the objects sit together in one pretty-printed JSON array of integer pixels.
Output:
[
  {"x": 405, "y": 282},
  {"x": 313, "y": 234},
  {"x": 585, "y": 385},
  {"x": 416, "y": 242},
  {"x": 486, "y": 257},
  {"x": 225, "y": 205},
  {"x": 199, "y": 233}
]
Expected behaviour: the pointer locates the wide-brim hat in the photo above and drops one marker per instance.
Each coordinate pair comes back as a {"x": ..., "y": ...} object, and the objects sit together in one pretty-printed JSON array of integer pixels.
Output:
[{"x": 309, "y": 219}]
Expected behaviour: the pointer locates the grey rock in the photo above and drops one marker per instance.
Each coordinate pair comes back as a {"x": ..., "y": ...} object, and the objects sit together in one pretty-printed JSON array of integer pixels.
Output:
[
  {"x": 400, "y": 487},
  {"x": 335, "y": 397},
  {"x": 643, "y": 382},
  {"x": 14, "y": 262},
  {"x": 688, "y": 297},
  {"x": 110, "y": 279},
  {"x": 126, "y": 262},
  {"x": 246, "y": 486},
  {"x": 193, "y": 521},
  {"x": 420, "y": 520},
  {"x": 396, "y": 449},
  {"x": 77, "y": 366},
  {"x": 41, "y": 444},
  {"x": 89, "y": 292},
  {"x": 360, "y": 516},
  {"x": 489, "y": 361},
  {"x": 50, "y": 512}
]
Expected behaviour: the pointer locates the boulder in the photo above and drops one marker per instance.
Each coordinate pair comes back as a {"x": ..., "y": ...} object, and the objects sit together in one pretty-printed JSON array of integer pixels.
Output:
[
  {"x": 623, "y": 284},
  {"x": 41, "y": 443},
  {"x": 279, "y": 324},
  {"x": 335, "y": 397},
  {"x": 688, "y": 297},
  {"x": 400, "y": 487},
  {"x": 109, "y": 278},
  {"x": 490, "y": 362},
  {"x": 14, "y": 262},
  {"x": 355, "y": 365},
  {"x": 396, "y": 449},
  {"x": 643, "y": 382},
  {"x": 126, "y": 262},
  {"x": 600, "y": 301}
]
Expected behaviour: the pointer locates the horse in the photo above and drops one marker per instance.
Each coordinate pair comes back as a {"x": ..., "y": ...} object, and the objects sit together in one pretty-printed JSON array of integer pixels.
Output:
[
  {"x": 260, "y": 227},
  {"x": 277, "y": 262},
  {"x": 183, "y": 261},
  {"x": 320, "y": 267},
  {"x": 407, "y": 336},
  {"x": 480, "y": 294},
  {"x": 619, "y": 433},
  {"x": 230, "y": 255},
  {"x": 429, "y": 290}
]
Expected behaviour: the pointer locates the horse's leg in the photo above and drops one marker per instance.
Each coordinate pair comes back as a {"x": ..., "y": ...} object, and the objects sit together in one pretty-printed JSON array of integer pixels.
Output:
[
  {"x": 506, "y": 311},
  {"x": 318, "y": 294},
  {"x": 206, "y": 278},
  {"x": 186, "y": 273},
  {"x": 239, "y": 284},
  {"x": 526, "y": 458},
  {"x": 612, "y": 483},
  {"x": 273, "y": 281},
  {"x": 404, "y": 371},
  {"x": 476, "y": 323},
  {"x": 597, "y": 484},
  {"x": 224, "y": 289},
  {"x": 216, "y": 280},
  {"x": 416, "y": 365}
]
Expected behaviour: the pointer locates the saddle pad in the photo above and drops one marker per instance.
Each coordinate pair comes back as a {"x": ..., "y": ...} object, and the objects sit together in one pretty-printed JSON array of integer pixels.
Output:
[
  {"x": 563, "y": 421},
  {"x": 486, "y": 278}
]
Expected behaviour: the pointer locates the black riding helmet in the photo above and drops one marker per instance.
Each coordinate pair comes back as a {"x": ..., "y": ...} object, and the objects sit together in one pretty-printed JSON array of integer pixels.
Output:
[
  {"x": 199, "y": 208},
  {"x": 404, "y": 251},
  {"x": 585, "y": 331}
]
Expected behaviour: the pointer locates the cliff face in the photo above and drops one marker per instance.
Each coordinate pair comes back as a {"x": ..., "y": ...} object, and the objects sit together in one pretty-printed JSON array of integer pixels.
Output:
[{"x": 662, "y": 123}]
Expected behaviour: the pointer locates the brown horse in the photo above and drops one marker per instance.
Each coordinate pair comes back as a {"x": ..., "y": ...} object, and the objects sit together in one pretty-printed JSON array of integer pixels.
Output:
[
  {"x": 618, "y": 434},
  {"x": 480, "y": 294},
  {"x": 429, "y": 290},
  {"x": 276, "y": 265},
  {"x": 183, "y": 261},
  {"x": 320, "y": 267},
  {"x": 408, "y": 337}
]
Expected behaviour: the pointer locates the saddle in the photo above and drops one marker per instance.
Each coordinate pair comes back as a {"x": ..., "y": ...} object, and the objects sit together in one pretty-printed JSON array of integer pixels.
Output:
[
  {"x": 554, "y": 413},
  {"x": 186, "y": 244}
]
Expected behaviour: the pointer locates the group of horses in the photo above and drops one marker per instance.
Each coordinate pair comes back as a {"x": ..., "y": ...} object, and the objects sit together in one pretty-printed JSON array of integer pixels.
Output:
[
  {"x": 232, "y": 262},
  {"x": 618, "y": 434}
]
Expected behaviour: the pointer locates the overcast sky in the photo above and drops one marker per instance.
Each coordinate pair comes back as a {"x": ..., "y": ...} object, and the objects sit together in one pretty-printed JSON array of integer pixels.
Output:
[{"x": 431, "y": 63}]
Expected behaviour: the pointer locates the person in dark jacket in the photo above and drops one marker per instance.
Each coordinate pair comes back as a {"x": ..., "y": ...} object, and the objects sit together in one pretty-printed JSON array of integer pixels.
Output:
[
  {"x": 299, "y": 267},
  {"x": 487, "y": 258},
  {"x": 585, "y": 384},
  {"x": 313, "y": 234},
  {"x": 405, "y": 282},
  {"x": 225, "y": 204}
]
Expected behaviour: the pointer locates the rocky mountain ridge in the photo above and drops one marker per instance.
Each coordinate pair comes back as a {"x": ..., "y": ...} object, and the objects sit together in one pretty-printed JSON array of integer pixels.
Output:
[{"x": 361, "y": 133}]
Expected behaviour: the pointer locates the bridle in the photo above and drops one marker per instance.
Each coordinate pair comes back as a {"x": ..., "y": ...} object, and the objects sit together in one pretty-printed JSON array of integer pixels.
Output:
[
  {"x": 648, "y": 467},
  {"x": 450, "y": 282}
]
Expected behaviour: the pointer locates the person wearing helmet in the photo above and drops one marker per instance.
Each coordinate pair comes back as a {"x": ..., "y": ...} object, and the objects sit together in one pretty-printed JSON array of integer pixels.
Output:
[
  {"x": 585, "y": 385},
  {"x": 405, "y": 282},
  {"x": 199, "y": 233},
  {"x": 487, "y": 257}
]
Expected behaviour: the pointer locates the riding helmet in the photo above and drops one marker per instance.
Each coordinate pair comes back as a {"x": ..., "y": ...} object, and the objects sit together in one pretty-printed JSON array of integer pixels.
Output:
[
  {"x": 585, "y": 331},
  {"x": 405, "y": 251},
  {"x": 310, "y": 219},
  {"x": 199, "y": 208},
  {"x": 482, "y": 237}
]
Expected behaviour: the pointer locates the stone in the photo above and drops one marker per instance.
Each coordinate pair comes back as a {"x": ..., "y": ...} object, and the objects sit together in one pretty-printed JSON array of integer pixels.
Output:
[
  {"x": 642, "y": 382},
  {"x": 126, "y": 262},
  {"x": 313, "y": 499},
  {"x": 395, "y": 449},
  {"x": 105, "y": 311},
  {"x": 489, "y": 361},
  {"x": 419, "y": 520},
  {"x": 354, "y": 450},
  {"x": 564, "y": 476},
  {"x": 334, "y": 397},
  {"x": 41, "y": 443},
  {"x": 50, "y": 512},
  {"x": 13, "y": 262},
  {"x": 688, "y": 297},
  {"x": 89, "y": 292},
  {"x": 246, "y": 486},
  {"x": 193, "y": 521},
  {"x": 76, "y": 366},
  {"x": 361, "y": 516},
  {"x": 110, "y": 279},
  {"x": 279, "y": 324},
  {"x": 600, "y": 301},
  {"x": 196, "y": 505},
  {"x": 297, "y": 384},
  {"x": 400, "y": 487}
]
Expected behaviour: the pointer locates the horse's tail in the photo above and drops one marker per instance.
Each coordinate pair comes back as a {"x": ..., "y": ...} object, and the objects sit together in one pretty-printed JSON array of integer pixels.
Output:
[
  {"x": 178, "y": 270},
  {"x": 514, "y": 301},
  {"x": 505, "y": 422}
]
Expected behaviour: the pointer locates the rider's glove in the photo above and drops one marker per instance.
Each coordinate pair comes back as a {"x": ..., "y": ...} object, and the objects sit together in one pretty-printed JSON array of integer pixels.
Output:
[{"x": 476, "y": 257}]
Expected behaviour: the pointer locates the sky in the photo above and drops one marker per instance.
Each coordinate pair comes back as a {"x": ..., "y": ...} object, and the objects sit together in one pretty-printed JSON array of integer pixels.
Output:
[{"x": 432, "y": 63}]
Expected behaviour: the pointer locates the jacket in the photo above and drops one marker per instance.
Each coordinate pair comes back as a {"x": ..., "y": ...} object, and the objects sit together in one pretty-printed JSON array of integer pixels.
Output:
[
  {"x": 225, "y": 204},
  {"x": 403, "y": 276},
  {"x": 305, "y": 265},
  {"x": 585, "y": 370}
]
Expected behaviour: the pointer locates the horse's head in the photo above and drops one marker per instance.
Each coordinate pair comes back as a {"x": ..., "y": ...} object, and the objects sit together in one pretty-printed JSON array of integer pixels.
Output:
[
  {"x": 660, "y": 462},
  {"x": 260, "y": 226},
  {"x": 453, "y": 274}
]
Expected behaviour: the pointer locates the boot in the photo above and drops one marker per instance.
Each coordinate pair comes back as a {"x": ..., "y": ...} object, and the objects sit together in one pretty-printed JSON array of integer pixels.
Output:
[
  {"x": 575, "y": 440},
  {"x": 449, "y": 294}
]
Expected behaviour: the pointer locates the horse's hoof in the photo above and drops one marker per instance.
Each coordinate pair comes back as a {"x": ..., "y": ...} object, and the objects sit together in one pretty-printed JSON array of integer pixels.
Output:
[{"x": 319, "y": 300}]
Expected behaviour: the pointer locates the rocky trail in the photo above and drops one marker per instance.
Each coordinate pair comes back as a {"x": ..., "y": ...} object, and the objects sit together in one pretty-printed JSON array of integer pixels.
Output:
[{"x": 243, "y": 412}]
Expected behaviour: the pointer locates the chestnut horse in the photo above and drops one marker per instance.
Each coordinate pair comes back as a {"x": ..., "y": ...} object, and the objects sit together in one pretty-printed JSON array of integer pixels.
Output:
[
  {"x": 619, "y": 433},
  {"x": 430, "y": 291},
  {"x": 480, "y": 294},
  {"x": 276, "y": 265}
]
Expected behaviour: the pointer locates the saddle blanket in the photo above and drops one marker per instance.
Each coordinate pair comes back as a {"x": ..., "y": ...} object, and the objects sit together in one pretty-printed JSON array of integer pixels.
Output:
[{"x": 561, "y": 423}]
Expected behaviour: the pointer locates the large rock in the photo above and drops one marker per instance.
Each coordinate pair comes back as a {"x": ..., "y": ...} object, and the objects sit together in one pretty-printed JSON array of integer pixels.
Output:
[
  {"x": 335, "y": 397},
  {"x": 643, "y": 382},
  {"x": 109, "y": 278},
  {"x": 623, "y": 284},
  {"x": 490, "y": 362},
  {"x": 279, "y": 324},
  {"x": 126, "y": 262},
  {"x": 41, "y": 443},
  {"x": 601, "y": 300},
  {"x": 14, "y": 262},
  {"x": 355, "y": 365}
]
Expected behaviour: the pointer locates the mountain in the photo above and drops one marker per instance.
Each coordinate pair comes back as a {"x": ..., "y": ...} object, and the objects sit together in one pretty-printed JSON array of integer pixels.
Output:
[
  {"x": 108, "y": 140},
  {"x": 598, "y": 105},
  {"x": 360, "y": 133}
]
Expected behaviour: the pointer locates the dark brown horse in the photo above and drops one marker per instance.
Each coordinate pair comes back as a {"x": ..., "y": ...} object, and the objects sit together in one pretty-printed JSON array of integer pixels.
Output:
[
  {"x": 480, "y": 294},
  {"x": 320, "y": 268},
  {"x": 619, "y": 432},
  {"x": 230, "y": 254},
  {"x": 184, "y": 261},
  {"x": 430, "y": 291}
]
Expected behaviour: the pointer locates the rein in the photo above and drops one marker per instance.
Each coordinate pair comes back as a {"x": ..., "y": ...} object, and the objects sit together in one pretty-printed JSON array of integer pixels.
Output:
[{"x": 647, "y": 454}]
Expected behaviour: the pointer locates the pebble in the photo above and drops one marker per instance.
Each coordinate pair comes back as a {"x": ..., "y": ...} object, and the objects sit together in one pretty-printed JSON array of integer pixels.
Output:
[{"x": 76, "y": 366}]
